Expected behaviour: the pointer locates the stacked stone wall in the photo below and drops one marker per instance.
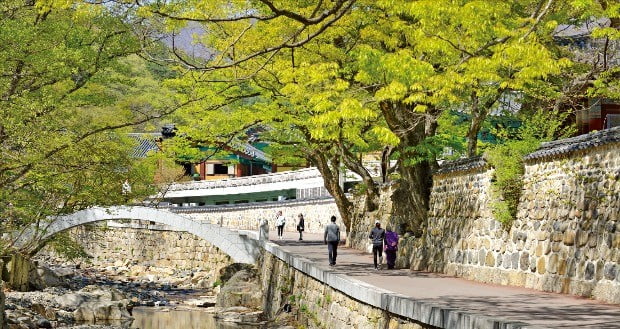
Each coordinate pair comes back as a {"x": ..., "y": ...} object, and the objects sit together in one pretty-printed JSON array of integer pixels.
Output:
[
  {"x": 363, "y": 221},
  {"x": 317, "y": 305},
  {"x": 316, "y": 214},
  {"x": 145, "y": 247},
  {"x": 566, "y": 237}
]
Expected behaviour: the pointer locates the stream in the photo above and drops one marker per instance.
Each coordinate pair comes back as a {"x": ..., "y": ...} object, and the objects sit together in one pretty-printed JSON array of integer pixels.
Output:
[{"x": 162, "y": 318}]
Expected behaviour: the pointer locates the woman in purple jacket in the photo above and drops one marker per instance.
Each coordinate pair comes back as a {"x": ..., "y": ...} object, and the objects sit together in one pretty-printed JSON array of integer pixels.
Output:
[{"x": 391, "y": 246}]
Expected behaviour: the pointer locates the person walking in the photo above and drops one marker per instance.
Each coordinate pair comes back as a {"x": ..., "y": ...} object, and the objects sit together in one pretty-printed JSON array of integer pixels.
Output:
[
  {"x": 331, "y": 239},
  {"x": 391, "y": 247},
  {"x": 300, "y": 226},
  {"x": 377, "y": 235},
  {"x": 280, "y": 221}
]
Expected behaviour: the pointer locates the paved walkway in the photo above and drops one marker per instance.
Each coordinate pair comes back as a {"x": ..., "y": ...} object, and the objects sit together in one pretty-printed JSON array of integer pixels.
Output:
[{"x": 536, "y": 308}]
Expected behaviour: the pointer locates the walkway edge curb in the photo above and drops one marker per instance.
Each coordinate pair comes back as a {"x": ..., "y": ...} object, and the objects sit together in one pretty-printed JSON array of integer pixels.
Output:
[{"x": 404, "y": 306}]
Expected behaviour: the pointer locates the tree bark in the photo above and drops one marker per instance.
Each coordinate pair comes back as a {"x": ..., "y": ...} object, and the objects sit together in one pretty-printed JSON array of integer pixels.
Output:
[
  {"x": 478, "y": 116},
  {"x": 3, "y": 322},
  {"x": 330, "y": 174},
  {"x": 385, "y": 162},
  {"x": 411, "y": 197},
  {"x": 354, "y": 164}
]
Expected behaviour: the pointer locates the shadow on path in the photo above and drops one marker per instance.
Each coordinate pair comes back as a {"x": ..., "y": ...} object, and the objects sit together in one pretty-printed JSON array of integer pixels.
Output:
[{"x": 542, "y": 309}]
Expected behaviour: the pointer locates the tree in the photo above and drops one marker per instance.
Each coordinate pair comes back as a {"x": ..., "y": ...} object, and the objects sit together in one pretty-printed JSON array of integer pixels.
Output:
[
  {"x": 69, "y": 92},
  {"x": 377, "y": 76}
]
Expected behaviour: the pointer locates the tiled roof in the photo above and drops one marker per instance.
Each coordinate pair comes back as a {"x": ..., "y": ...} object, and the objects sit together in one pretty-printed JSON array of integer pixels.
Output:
[
  {"x": 569, "y": 145},
  {"x": 462, "y": 165},
  {"x": 145, "y": 144}
]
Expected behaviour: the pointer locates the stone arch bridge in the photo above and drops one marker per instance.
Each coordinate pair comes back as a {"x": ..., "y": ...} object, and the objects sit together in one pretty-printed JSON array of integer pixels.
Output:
[{"x": 241, "y": 246}]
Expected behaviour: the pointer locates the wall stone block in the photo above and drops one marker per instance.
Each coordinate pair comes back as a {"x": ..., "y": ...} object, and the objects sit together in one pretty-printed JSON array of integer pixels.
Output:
[
  {"x": 524, "y": 261},
  {"x": 589, "y": 271},
  {"x": 541, "y": 266}
]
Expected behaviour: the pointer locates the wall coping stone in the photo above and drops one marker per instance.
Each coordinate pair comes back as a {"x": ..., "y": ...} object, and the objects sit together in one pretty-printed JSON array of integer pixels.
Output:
[
  {"x": 252, "y": 205},
  {"x": 547, "y": 149},
  {"x": 285, "y": 176},
  {"x": 419, "y": 310},
  {"x": 570, "y": 145},
  {"x": 464, "y": 164}
]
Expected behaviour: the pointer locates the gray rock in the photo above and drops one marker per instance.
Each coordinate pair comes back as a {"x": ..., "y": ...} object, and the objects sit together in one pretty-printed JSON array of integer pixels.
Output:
[
  {"x": 525, "y": 261},
  {"x": 43, "y": 323},
  {"x": 515, "y": 260},
  {"x": 243, "y": 289},
  {"x": 610, "y": 271},
  {"x": 589, "y": 271},
  {"x": 41, "y": 277},
  {"x": 94, "y": 303},
  {"x": 101, "y": 311}
]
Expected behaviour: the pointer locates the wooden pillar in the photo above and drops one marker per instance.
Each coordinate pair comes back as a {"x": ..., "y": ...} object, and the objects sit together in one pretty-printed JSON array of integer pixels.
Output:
[{"x": 203, "y": 170}]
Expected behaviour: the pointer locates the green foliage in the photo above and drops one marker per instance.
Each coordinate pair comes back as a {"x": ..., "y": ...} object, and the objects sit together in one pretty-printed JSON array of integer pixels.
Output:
[
  {"x": 325, "y": 88},
  {"x": 70, "y": 89},
  {"x": 507, "y": 158},
  {"x": 65, "y": 246}
]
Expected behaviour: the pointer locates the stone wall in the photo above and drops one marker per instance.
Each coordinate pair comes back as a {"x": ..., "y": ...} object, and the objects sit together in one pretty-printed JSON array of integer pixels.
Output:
[
  {"x": 157, "y": 248},
  {"x": 566, "y": 237},
  {"x": 247, "y": 217},
  {"x": 317, "y": 305}
]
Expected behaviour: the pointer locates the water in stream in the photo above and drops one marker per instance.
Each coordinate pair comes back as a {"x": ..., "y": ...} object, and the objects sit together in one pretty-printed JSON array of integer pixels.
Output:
[{"x": 158, "y": 318}]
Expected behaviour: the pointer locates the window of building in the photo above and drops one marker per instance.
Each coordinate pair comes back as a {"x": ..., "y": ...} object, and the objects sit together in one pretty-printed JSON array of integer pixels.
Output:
[{"x": 220, "y": 169}]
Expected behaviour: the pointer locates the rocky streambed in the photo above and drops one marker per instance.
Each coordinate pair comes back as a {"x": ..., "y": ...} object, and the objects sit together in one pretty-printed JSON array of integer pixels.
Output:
[{"x": 136, "y": 296}]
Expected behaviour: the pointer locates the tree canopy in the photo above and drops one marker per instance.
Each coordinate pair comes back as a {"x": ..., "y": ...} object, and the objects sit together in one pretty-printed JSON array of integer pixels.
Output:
[
  {"x": 323, "y": 81},
  {"x": 328, "y": 81},
  {"x": 70, "y": 89}
]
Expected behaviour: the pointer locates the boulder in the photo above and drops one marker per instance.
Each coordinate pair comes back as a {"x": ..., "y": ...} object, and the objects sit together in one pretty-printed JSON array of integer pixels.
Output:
[
  {"x": 64, "y": 272},
  {"x": 101, "y": 311},
  {"x": 243, "y": 289},
  {"x": 94, "y": 303},
  {"x": 41, "y": 277},
  {"x": 226, "y": 273}
]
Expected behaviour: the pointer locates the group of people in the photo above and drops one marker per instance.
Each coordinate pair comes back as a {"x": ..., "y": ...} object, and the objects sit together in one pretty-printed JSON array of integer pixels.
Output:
[
  {"x": 382, "y": 240},
  {"x": 281, "y": 221}
]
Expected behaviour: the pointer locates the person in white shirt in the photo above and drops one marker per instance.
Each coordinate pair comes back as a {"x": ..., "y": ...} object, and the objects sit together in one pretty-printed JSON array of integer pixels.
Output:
[{"x": 280, "y": 221}]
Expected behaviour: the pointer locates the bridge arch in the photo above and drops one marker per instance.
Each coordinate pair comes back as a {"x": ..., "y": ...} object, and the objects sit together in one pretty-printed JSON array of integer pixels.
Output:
[{"x": 239, "y": 245}]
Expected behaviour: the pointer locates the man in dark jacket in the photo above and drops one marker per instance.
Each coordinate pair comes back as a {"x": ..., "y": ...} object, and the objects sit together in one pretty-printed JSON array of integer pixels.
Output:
[
  {"x": 377, "y": 235},
  {"x": 301, "y": 225},
  {"x": 332, "y": 238}
]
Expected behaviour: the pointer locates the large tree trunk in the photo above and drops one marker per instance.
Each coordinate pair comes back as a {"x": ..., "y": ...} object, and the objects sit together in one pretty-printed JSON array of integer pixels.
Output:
[
  {"x": 478, "y": 116},
  {"x": 330, "y": 174},
  {"x": 3, "y": 322},
  {"x": 411, "y": 197}
]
